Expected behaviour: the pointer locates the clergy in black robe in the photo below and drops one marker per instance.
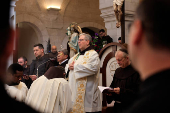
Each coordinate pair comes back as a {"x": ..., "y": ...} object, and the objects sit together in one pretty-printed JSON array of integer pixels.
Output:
[
  {"x": 27, "y": 81},
  {"x": 125, "y": 83},
  {"x": 53, "y": 56},
  {"x": 63, "y": 57},
  {"x": 26, "y": 69}
]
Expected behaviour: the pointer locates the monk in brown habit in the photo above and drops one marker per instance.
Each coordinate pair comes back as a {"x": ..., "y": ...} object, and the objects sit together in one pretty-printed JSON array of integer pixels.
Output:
[{"x": 125, "y": 83}]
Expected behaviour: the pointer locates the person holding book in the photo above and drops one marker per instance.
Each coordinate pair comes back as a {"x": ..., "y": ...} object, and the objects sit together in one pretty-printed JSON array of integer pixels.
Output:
[{"x": 125, "y": 83}]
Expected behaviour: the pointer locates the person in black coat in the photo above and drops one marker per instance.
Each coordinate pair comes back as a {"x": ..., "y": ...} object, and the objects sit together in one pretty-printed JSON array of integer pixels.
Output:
[
  {"x": 104, "y": 37},
  {"x": 125, "y": 83},
  {"x": 26, "y": 69},
  {"x": 149, "y": 48},
  {"x": 63, "y": 57},
  {"x": 42, "y": 62}
]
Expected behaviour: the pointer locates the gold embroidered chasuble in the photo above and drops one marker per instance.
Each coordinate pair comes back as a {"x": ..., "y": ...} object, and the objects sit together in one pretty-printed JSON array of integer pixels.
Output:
[{"x": 83, "y": 81}]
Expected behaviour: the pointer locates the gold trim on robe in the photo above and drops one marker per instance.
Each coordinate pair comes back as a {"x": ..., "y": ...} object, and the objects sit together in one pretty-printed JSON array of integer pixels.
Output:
[{"x": 78, "y": 106}]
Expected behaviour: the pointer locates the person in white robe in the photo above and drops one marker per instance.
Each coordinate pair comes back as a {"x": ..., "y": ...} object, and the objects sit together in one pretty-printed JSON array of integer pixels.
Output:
[
  {"x": 19, "y": 92},
  {"x": 50, "y": 93},
  {"x": 84, "y": 77},
  {"x": 14, "y": 87}
]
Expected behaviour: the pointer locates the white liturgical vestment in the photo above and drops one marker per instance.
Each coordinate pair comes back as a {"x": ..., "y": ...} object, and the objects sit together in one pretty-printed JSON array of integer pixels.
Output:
[
  {"x": 19, "y": 92},
  {"x": 83, "y": 81},
  {"x": 50, "y": 95}
]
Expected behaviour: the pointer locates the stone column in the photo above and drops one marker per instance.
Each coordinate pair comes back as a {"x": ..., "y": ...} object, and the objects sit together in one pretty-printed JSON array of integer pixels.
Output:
[
  {"x": 106, "y": 7},
  {"x": 12, "y": 20}
]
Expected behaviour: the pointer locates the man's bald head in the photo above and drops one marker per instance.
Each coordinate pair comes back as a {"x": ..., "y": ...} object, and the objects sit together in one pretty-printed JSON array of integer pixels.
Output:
[{"x": 53, "y": 49}]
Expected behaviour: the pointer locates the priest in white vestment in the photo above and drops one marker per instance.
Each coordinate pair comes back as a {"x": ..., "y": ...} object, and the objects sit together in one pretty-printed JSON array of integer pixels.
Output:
[
  {"x": 14, "y": 87},
  {"x": 50, "y": 93},
  {"x": 84, "y": 77}
]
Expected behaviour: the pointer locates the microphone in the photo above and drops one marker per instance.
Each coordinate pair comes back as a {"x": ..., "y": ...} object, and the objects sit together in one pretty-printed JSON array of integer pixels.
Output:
[{"x": 50, "y": 59}]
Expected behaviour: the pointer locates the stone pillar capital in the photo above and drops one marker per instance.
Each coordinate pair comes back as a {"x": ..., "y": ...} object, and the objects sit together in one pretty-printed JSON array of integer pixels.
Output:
[{"x": 13, "y": 3}]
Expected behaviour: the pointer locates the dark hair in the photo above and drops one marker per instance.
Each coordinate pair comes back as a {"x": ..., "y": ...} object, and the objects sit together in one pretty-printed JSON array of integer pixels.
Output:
[
  {"x": 65, "y": 51},
  {"x": 39, "y": 45},
  {"x": 155, "y": 26},
  {"x": 24, "y": 58},
  {"x": 101, "y": 30},
  {"x": 4, "y": 25},
  {"x": 119, "y": 38},
  {"x": 14, "y": 67}
]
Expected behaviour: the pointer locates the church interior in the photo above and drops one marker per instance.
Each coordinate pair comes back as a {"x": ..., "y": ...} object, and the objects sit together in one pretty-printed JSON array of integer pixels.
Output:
[{"x": 41, "y": 21}]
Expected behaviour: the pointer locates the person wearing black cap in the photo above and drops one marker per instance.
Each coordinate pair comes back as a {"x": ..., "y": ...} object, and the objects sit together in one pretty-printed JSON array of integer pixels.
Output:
[
  {"x": 125, "y": 83},
  {"x": 7, "y": 104}
]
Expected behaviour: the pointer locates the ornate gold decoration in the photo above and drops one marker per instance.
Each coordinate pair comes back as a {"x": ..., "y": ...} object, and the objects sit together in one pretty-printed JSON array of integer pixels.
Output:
[{"x": 78, "y": 106}]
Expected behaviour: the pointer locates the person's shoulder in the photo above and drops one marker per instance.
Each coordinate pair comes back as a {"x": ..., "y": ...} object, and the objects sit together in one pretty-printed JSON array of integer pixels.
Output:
[
  {"x": 46, "y": 56},
  {"x": 60, "y": 80},
  {"x": 23, "y": 84},
  {"x": 118, "y": 70},
  {"x": 91, "y": 52}
]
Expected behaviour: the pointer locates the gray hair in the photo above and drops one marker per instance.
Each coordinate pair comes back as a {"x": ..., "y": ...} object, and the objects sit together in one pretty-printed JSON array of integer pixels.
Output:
[
  {"x": 124, "y": 51},
  {"x": 65, "y": 51},
  {"x": 87, "y": 37}
]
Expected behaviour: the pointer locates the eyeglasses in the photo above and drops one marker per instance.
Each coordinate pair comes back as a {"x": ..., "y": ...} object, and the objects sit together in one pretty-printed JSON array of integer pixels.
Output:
[{"x": 81, "y": 40}]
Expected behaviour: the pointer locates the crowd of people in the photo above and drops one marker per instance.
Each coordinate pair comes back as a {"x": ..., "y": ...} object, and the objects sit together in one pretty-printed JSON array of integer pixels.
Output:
[{"x": 55, "y": 83}]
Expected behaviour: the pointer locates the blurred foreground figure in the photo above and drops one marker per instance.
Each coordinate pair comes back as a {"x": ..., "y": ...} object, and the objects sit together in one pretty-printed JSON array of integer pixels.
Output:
[
  {"x": 7, "y": 104},
  {"x": 149, "y": 48},
  {"x": 50, "y": 93}
]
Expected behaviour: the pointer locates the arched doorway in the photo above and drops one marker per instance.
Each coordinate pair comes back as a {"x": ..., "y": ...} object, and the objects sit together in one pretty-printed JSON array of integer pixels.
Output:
[{"x": 29, "y": 35}]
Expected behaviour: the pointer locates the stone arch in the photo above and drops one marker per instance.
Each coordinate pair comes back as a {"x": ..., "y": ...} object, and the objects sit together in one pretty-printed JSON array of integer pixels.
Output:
[
  {"x": 36, "y": 24},
  {"x": 91, "y": 24}
]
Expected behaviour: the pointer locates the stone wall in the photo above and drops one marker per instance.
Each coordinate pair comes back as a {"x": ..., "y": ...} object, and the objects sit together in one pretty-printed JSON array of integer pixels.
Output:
[
  {"x": 25, "y": 45},
  {"x": 106, "y": 7},
  {"x": 52, "y": 23}
]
